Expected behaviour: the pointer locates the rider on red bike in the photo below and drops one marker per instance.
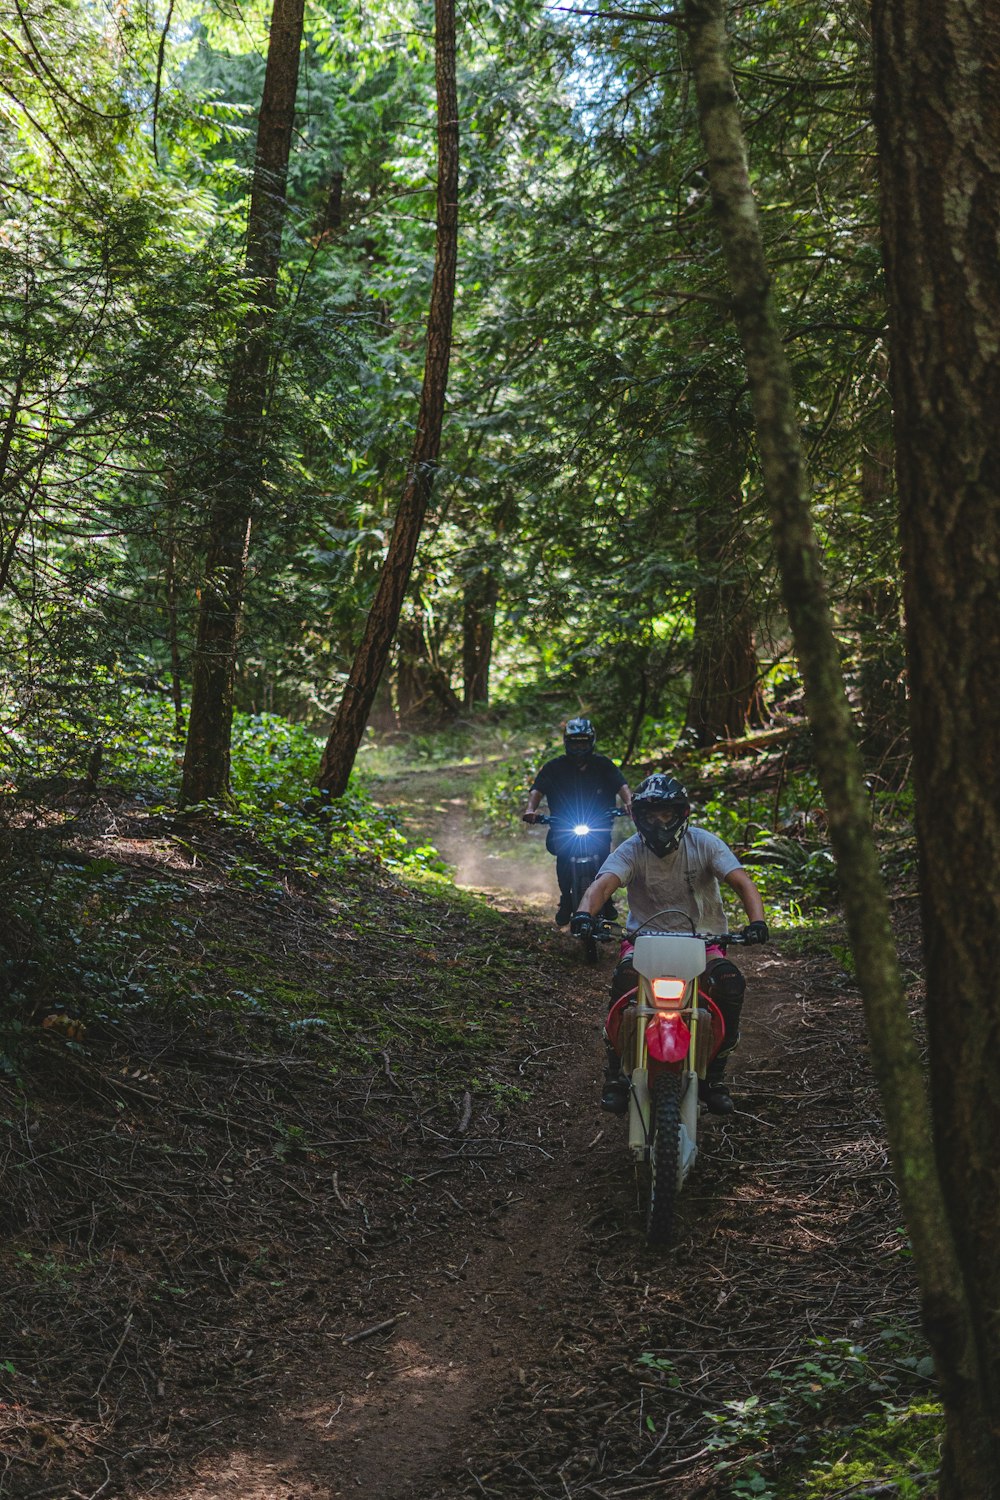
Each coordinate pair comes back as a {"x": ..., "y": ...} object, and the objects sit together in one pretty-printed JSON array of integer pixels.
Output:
[{"x": 667, "y": 866}]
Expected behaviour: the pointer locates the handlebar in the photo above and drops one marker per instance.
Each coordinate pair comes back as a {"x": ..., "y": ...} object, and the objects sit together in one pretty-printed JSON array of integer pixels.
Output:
[
  {"x": 721, "y": 940},
  {"x": 604, "y": 931},
  {"x": 546, "y": 819}
]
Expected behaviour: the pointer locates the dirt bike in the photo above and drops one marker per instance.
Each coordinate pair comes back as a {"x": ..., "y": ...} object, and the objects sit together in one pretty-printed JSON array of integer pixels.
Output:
[
  {"x": 666, "y": 1031},
  {"x": 584, "y": 864}
]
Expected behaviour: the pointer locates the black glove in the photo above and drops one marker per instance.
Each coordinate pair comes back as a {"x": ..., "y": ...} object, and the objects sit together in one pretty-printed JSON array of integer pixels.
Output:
[
  {"x": 581, "y": 924},
  {"x": 530, "y": 817},
  {"x": 756, "y": 932}
]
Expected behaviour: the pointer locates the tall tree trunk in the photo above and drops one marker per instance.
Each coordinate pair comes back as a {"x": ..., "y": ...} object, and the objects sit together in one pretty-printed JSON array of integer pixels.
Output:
[
  {"x": 241, "y": 457},
  {"x": 938, "y": 117},
  {"x": 383, "y": 617},
  {"x": 173, "y": 630},
  {"x": 878, "y": 617},
  {"x": 479, "y": 606},
  {"x": 725, "y": 693},
  {"x": 946, "y": 1303}
]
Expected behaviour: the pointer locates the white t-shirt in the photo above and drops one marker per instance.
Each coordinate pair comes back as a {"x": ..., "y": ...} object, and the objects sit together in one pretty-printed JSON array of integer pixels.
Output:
[{"x": 688, "y": 879}]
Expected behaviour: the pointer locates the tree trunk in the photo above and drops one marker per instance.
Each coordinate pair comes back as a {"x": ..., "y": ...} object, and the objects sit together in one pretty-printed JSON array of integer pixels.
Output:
[
  {"x": 173, "y": 632},
  {"x": 946, "y": 1303},
  {"x": 938, "y": 117},
  {"x": 241, "y": 457},
  {"x": 878, "y": 618},
  {"x": 410, "y": 691},
  {"x": 423, "y": 690},
  {"x": 478, "y": 615},
  {"x": 725, "y": 696},
  {"x": 369, "y": 662}
]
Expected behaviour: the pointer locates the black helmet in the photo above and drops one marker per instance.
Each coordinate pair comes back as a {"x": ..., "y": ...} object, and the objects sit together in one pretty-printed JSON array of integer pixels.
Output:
[
  {"x": 579, "y": 738},
  {"x": 661, "y": 792}
]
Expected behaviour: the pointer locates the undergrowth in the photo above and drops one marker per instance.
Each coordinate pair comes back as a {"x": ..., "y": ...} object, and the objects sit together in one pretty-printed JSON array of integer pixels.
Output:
[
  {"x": 845, "y": 1420},
  {"x": 109, "y": 892}
]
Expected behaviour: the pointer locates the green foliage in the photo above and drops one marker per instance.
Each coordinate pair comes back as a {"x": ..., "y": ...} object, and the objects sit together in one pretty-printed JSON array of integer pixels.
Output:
[
  {"x": 795, "y": 870},
  {"x": 498, "y": 798},
  {"x": 83, "y": 930},
  {"x": 844, "y": 1416},
  {"x": 662, "y": 1366},
  {"x": 806, "y": 868}
]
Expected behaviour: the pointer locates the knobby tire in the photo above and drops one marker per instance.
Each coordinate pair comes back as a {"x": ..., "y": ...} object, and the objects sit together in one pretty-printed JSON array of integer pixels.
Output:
[
  {"x": 580, "y": 884},
  {"x": 664, "y": 1158}
]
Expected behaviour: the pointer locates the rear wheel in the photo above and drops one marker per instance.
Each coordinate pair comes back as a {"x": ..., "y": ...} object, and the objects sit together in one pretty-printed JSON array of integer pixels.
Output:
[{"x": 664, "y": 1158}]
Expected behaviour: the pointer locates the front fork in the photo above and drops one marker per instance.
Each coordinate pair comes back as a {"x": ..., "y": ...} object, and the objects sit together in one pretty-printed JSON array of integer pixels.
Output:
[{"x": 640, "y": 1132}]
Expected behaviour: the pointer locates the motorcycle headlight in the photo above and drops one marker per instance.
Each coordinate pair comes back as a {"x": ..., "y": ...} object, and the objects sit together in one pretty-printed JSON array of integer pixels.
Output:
[
  {"x": 669, "y": 992},
  {"x": 581, "y": 829}
]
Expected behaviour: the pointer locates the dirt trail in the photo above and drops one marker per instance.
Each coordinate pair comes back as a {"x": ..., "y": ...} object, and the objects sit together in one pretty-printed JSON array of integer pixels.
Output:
[{"x": 537, "y": 1349}]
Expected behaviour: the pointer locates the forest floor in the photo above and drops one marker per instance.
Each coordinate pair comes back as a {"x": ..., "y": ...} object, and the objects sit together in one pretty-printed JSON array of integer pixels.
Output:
[{"x": 235, "y": 1271}]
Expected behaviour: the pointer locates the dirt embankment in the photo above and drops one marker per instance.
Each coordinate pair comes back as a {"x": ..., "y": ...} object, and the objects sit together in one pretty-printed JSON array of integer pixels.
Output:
[{"x": 396, "y": 1299}]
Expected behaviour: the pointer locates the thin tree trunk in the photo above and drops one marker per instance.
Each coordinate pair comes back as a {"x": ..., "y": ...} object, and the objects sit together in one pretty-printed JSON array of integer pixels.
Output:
[
  {"x": 479, "y": 606},
  {"x": 383, "y": 617},
  {"x": 725, "y": 696},
  {"x": 945, "y": 1304},
  {"x": 173, "y": 632},
  {"x": 938, "y": 118},
  {"x": 241, "y": 458},
  {"x": 422, "y": 686}
]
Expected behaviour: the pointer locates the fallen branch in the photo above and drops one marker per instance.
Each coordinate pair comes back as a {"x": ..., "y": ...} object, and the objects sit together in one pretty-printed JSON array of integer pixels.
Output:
[{"x": 367, "y": 1333}]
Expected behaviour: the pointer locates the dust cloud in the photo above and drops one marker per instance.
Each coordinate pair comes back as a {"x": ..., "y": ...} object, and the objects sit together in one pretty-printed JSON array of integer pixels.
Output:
[{"x": 530, "y": 877}]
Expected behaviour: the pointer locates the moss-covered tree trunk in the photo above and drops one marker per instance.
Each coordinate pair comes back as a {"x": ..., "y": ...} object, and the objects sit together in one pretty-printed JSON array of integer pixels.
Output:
[
  {"x": 971, "y": 1467},
  {"x": 240, "y": 464},
  {"x": 383, "y": 617},
  {"x": 937, "y": 71}
]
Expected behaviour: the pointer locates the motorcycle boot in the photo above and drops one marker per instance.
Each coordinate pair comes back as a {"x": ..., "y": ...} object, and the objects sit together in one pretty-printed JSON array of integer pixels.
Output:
[
  {"x": 726, "y": 986},
  {"x": 713, "y": 1091},
  {"x": 615, "y": 1091}
]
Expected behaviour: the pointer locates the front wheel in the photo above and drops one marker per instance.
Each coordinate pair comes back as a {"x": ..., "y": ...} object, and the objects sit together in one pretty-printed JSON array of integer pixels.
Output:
[
  {"x": 584, "y": 872},
  {"x": 664, "y": 1158}
]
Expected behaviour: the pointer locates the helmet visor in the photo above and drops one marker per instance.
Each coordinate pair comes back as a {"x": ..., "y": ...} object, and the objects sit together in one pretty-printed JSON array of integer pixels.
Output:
[{"x": 661, "y": 824}]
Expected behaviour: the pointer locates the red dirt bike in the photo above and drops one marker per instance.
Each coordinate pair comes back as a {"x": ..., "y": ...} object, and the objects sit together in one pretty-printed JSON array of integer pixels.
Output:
[{"x": 666, "y": 1031}]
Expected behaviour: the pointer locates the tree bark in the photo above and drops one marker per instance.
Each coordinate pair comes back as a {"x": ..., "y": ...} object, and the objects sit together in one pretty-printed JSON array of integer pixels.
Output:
[
  {"x": 423, "y": 690},
  {"x": 877, "y": 616},
  {"x": 479, "y": 606},
  {"x": 173, "y": 629},
  {"x": 938, "y": 118},
  {"x": 372, "y": 655},
  {"x": 947, "y": 1301},
  {"x": 725, "y": 696},
  {"x": 241, "y": 457}
]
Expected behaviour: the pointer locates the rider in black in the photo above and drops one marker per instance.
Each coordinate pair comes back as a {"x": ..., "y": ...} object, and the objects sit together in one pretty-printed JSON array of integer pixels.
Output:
[{"x": 580, "y": 787}]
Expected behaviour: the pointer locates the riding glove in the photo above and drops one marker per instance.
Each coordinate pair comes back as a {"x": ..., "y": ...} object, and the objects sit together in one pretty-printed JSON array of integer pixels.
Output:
[
  {"x": 756, "y": 932},
  {"x": 581, "y": 923}
]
